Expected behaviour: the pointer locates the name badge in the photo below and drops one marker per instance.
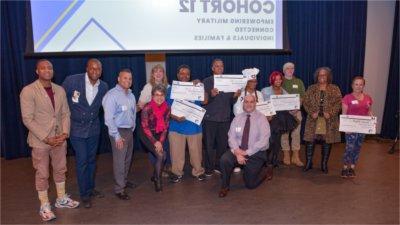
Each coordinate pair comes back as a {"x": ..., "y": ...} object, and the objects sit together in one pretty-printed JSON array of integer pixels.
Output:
[
  {"x": 295, "y": 86},
  {"x": 75, "y": 96},
  {"x": 354, "y": 102},
  {"x": 238, "y": 129},
  {"x": 124, "y": 108}
]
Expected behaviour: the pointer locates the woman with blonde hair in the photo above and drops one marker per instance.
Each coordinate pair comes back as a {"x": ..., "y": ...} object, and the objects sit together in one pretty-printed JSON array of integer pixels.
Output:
[
  {"x": 157, "y": 77},
  {"x": 355, "y": 103}
]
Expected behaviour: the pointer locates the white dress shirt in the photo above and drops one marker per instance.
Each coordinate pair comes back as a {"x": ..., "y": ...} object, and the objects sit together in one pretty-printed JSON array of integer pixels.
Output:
[{"x": 91, "y": 90}]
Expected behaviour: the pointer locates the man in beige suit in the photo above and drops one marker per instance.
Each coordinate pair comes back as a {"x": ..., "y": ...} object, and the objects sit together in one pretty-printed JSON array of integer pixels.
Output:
[{"x": 46, "y": 114}]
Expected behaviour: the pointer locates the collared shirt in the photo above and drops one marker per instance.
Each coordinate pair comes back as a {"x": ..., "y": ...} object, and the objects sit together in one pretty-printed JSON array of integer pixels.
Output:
[
  {"x": 267, "y": 92},
  {"x": 258, "y": 136},
  {"x": 119, "y": 110},
  {"x": 91, "y": 90}
]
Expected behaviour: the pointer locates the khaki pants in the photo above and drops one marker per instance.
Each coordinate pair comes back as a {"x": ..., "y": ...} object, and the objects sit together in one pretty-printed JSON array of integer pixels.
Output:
[
  {"x": 41, "y": 160},
  {"x": 295, "y": 136},
  {"x": 177, "y": 143}
]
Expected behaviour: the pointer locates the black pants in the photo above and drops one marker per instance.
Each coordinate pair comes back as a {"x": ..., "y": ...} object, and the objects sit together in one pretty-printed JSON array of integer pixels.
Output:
[
  {"x": 254, "y": 171},
  {"x": 160, "y": 157},
  {"x": 214, "y": 132}
]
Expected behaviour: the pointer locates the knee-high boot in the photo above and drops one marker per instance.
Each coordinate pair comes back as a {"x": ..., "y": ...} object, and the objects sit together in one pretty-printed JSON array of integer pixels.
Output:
[
  {"x": 309, "y": 156},
  {"x": 325, "y": 152}
]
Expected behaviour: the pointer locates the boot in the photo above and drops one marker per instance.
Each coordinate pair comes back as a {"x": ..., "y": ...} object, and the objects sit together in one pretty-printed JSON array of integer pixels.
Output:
[
  {"x": 325, "y": 152},
  {"x": 309, "y": 156},
  {"x": 286, "y": 158},
  {"x": 296, "y": 158}
]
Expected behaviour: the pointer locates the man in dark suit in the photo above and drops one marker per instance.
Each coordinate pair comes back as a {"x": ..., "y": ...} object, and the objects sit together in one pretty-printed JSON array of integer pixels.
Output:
[{"x": 85, "y": 93}]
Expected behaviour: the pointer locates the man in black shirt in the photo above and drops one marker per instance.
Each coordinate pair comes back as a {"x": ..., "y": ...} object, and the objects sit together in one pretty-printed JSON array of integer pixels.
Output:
[{"x": 217, "y": 119}]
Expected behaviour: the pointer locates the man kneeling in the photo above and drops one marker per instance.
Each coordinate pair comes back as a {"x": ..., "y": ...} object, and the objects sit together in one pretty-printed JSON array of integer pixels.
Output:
[{"x": 248, "y": 139}]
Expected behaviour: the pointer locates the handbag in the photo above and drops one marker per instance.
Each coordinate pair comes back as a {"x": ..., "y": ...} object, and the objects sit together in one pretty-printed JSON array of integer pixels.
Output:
[{"x": 321, "y": 126}]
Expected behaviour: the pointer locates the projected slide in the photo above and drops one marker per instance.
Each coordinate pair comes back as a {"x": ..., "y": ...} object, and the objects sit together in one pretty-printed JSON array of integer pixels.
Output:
[{"x": 139, "y": 25}]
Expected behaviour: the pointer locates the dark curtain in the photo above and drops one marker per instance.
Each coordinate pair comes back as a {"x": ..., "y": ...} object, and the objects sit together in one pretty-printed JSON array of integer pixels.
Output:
[
  {"x": 321, "y": 33},
  {"x": 17, "y": 71},
  {"x": 390, "y": 123}
]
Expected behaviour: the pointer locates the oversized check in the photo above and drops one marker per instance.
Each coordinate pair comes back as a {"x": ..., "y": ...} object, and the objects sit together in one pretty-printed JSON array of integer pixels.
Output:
[
  {"x": 357, "y": 124},
  {"x": 187, "y": 91},
  {"x": 266, "y": 108},
  {"x": 190, "y": 111},
  {"x": 286, "y": 102},
  {"x": 230, "y": 82}
]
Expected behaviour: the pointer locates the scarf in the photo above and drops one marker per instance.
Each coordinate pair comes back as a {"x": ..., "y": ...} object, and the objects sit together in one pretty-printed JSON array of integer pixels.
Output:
[{"x": 158, "y": 111}]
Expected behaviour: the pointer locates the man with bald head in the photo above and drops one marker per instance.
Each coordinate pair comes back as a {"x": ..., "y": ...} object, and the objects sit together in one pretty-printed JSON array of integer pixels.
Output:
[
  {"x": 248, "y": 139},
  {"x": 84, "y": 93}
]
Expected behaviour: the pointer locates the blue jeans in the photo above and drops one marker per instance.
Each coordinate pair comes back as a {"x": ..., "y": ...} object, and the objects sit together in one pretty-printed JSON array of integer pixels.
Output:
[{"x": 85, "y": 155}]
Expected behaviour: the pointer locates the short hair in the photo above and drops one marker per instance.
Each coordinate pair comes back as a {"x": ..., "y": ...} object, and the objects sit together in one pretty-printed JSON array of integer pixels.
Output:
[
  {"x": 287, "y": 65},
  {"x": 159, "y": 88},
  {"x": 216, "y": 60},
  {"x": 42, "y": 60},
  {"x": 329, "y": 75},
  {"x": 126, "y": 70},
  {"x": 93, "y": 60},
  {"x": 358, "y": 78},
  {"x": 183, "y": 66}
]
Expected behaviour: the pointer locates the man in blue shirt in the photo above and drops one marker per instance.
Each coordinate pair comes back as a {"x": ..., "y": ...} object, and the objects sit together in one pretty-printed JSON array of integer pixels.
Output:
[
  {"x": 182, "y": 130},
  {"x": 120, "y": 117},
  {"x": 84, "y": 93}
]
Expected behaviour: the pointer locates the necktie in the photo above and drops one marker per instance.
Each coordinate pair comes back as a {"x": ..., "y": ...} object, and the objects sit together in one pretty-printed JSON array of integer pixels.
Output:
[{"x": 245, "y": 137}]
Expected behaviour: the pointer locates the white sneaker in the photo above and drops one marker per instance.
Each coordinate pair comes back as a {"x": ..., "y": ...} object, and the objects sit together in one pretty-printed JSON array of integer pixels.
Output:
[
  {"x": 66, "y": 202},
  {"x": 237, "y": 170},
  {"x": 45, "y": 212}
]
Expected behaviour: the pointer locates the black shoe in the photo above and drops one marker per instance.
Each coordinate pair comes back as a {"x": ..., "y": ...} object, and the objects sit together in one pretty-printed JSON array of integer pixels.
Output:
[
  {"x": 351, "y": 173},
  {"x": 175, "y": 178},
  {"x": 97, "y": 194},
  {"x": 123, "y": 196},
  {"x": 201, "y": 177},
  {"x": 208, "y": 173},
  {"x": 87, "y": 203},
  {"x": 131, "y": 185},
  {"x": 158, "y": 185},
  {"x": 345, "y": 173}
]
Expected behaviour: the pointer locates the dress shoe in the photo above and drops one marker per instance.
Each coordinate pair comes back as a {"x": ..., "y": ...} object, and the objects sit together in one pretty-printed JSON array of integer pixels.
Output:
[
  {"x": 270, "y": 172},
  {"x": 123, "y": 196},
  {"x": 97, "y": 194},
  {"x": 223, "y": 192},
  {"x": 158, "y": 185},
  {"x": 87, "y": 203},
  {"x": 130, "y": 185}
]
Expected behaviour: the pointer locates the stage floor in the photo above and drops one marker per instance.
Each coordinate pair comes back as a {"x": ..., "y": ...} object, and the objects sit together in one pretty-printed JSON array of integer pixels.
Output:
[{"x": 292, "y": 196}]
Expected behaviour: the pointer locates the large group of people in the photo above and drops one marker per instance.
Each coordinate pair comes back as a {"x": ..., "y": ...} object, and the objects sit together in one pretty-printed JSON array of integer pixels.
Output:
[{"x": 250, "y": 142}]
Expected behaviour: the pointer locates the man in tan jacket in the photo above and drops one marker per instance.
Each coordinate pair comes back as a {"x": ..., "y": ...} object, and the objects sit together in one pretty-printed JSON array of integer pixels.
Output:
[{"x": 45, "y": 113}]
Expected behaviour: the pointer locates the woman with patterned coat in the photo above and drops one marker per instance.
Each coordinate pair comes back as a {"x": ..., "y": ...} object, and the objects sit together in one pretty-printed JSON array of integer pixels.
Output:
[{"x": 322, "y": 102}]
